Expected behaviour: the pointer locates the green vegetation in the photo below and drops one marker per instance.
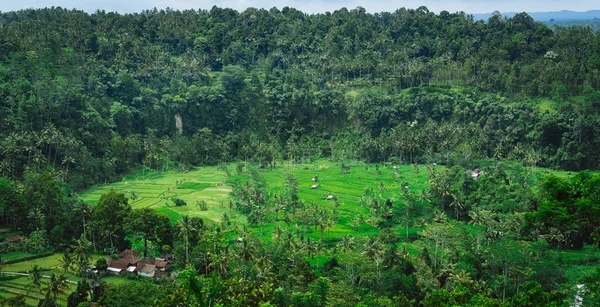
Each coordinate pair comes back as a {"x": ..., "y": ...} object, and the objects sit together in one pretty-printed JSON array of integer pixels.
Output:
[
  {"x": 286, "y": 159},
  {"x": 154, "y": 190}
]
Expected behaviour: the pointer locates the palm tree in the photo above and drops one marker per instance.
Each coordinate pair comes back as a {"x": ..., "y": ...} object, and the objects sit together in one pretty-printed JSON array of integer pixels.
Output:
[
  {"x": 56, "y": 286},
  {"x": 36, "y": 280},
  {"x": 310, "y": 247},
  {"x": 83, "y": 263},
  {"x": 457, "y": 204},
  {"x": 83, "y": 209},
  {"x": 67, "y": 261},
  {"x": 480, "y": 217},
  {"x": 439, "y": 216},
  {"x": 81, "y": 248},
  {"x": 372, "y": 248},
  {"x": 185, "y": 228},
  {"x": 347, "y": 244}
]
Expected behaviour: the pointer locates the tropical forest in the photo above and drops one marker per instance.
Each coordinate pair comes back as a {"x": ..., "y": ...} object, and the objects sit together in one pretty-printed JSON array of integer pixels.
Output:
[{"x": 276, "y": 158}]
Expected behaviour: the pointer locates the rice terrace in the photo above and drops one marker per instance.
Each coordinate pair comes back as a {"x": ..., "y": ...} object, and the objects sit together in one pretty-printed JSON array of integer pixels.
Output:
[
  {"x": 213, "y": 185},
  {"x": 245, "y": 156}
]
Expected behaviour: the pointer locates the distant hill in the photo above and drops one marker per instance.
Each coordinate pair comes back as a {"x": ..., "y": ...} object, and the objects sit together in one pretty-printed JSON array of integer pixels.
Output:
[{"x": 550, "y": 16}]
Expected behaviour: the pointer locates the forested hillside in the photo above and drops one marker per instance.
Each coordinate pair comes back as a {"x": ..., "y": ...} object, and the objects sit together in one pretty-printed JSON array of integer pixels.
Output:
[
  {"x": 277, "y": 158},
  {"x": 90, "y": 97}
]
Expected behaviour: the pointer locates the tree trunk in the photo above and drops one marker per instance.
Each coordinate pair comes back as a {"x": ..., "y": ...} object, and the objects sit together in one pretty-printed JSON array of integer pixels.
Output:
[{"x": 145, "y": 247}]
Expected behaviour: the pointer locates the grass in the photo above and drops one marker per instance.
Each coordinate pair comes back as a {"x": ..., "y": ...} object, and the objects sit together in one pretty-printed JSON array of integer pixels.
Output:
[
  {"x": 16, "y": 285},
  {"x": 579, "y": 264},
  {"x": 213, "y": 186},
  {"x": 155, "y": 190},
  {"x": 15, "y": 255},
  {"x": 347, "y": 187},
  {"x": 48, "y": 265}
]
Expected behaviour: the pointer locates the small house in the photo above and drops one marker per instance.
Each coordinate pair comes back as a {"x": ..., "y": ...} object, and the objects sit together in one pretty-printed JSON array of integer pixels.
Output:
[
  {"x": 314, "y": 186},
  {"x": 118, "y": 267},
  {"x": 115, "y": 271},
  {"x": 329, "y": 197},
  {"x": 147, "y": 270},
  {"x": 14, "y": 239},
  {"x": 315, "y": 178},
  {"x": 161, "y": 265}
]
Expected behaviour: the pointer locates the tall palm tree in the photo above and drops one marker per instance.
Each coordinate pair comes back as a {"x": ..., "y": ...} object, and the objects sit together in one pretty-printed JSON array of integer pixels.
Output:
[
  {"x": 56, "y": 286},
  {"x": 372, "y": 248},
  {"x": 480, "y": 217},
  {"x": 81, "y": 248},
  {"x": 347, "y": 244},
  {"x": 457, "y": 204},
  {"x": 83, "y": 210},
  {"x": 66, "y": 262},
  {"x": 439, "y": 216},
  {"x": 310, "y": 247},
  {"x": 185, "y": 228},
  {"x": 36, "y": 280}
]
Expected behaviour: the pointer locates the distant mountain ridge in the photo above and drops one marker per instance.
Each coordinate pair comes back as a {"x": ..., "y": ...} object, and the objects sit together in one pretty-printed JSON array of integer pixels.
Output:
[{"x": 548, "y": 16}]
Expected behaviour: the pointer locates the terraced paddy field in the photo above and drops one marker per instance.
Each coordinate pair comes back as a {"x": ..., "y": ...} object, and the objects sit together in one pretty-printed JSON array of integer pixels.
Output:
[
  {"x": 154, "y": 190},
  {"x": 13, "y": 285},
  {"x": 213, "y": 185},
  {"x": 13, "y": 281}
]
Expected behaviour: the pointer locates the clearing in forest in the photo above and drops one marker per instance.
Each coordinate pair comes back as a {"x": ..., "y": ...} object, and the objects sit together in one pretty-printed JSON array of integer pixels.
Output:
[{"x": 213, "y": 186}]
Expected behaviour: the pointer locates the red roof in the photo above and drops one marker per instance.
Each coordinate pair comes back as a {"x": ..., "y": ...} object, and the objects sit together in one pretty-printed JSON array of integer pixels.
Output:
[
  {"x": 160, "y": 263},
  {"x": 118, "y": 264},
  {"x": 129, "y": 254},
  {"x": 14, "y": 238}
]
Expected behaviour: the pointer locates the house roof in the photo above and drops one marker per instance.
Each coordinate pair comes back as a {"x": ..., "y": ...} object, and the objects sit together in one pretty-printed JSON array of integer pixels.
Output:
[
  {"x": 116, "y": 270},
  {"x": 142, "y": 262},
  {"x": 14, "y": 238},
  {"x": 147, "y": 268},
  {"x": 160, "y": 263},
  {"x": 129, "y": 254},
  {"x": 119, "y": 264}
]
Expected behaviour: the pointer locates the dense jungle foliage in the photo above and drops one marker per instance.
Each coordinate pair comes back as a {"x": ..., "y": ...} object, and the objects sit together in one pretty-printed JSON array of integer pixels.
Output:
[{"x": 88, "y": 98}]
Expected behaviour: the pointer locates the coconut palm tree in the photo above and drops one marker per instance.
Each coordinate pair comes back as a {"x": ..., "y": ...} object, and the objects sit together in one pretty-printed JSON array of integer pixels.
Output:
[
  {"x": 185, "y": 228},
  {"x": 81, "y": 261},
  {"x": 36, "y": 280},
  {"x": 347, "y": 244},
  {"x": 66, "y": 262},
  {"x": 310, "y": 247},
  {"x": 457, "y": 204},
  {"x": 372, "y": 247},
  {"x": 481, "y": 217},
  {"x": 56, "y": 286},
  {"x": 82, "y": 209},
  {"x": 439, "y": 216}
]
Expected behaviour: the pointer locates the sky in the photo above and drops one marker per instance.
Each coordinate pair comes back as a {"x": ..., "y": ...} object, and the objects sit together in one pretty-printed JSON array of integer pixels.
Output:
[{"x": 311, "y": 6}]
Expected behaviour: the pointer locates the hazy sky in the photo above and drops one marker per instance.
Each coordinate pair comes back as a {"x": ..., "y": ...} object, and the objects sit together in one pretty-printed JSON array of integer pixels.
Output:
[{"x": 311, "y": 6}]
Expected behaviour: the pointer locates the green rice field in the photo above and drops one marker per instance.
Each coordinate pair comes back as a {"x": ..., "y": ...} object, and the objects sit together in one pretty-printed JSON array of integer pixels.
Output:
[{"x": 213, "y": 186}]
